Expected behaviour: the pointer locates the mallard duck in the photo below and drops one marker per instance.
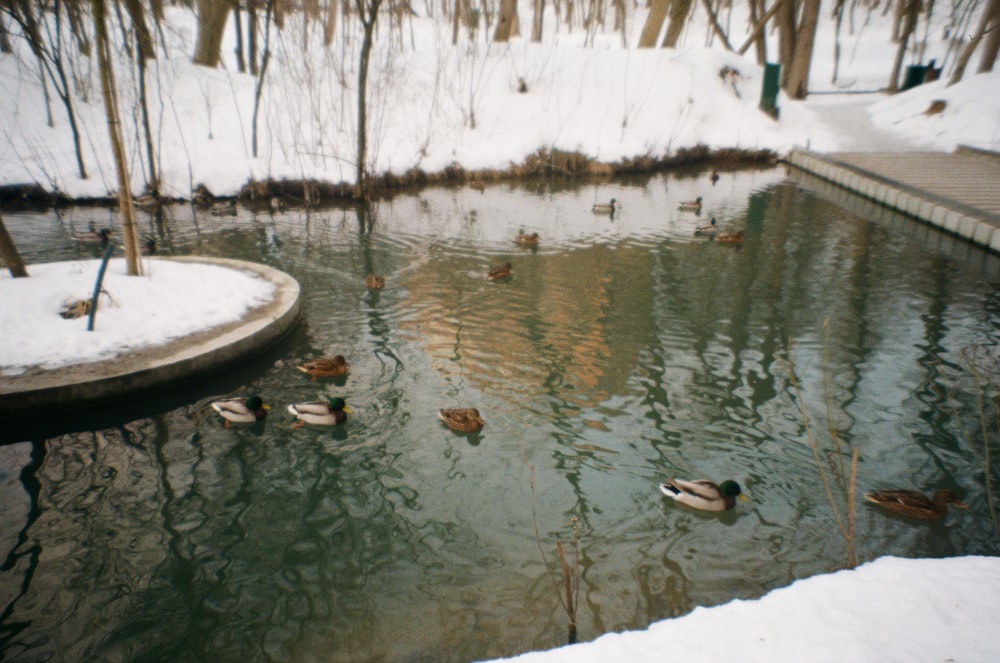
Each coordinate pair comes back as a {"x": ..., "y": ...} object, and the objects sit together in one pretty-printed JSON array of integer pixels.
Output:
[
  {"x": 227, "y": 208},
  {"x": 241, "y": 410},
  {"x": 320, "y": 413},
  {"x": 605, "y": 208},
  {"x": 277, "y": 204},
  {"x": 478, "y": 186},
  {"x": 707, "y": 228},
  {"x": 704, "y": 494},
  {"x": 325, "y": 367},
  {"x": 525, "y": 239},
  {"x": 504, "y": 271},
  {"x": 375, "y": 281},
  {"x": 730, "y": 238},
  {"x": 714, "y": 176},
  {"x": 914, "y": 504},
  {"x": 464, "y": 420},
  {"x": 691, "y": 205}
]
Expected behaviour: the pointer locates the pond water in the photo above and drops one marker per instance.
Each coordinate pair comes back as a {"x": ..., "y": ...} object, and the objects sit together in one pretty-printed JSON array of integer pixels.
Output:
[{"x": 623, "y": 351}]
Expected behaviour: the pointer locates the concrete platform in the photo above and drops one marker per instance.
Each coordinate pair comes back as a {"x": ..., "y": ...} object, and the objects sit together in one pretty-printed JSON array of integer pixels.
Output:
[
  {"x": 156, "y": 367},
  {"x": 956, "y": 192}
]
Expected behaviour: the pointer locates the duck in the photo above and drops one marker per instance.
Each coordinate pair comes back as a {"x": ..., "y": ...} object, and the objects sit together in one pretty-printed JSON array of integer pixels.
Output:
[
  {"x": 504, "y": 271},
  {"x": 714, "y": 176},
  {"x": 277, "y": 204},
  {"x": 707, "y": 228},
  {"x": 730, "y": 238},
  {"x": 525, "y": 239},
  {"x": 227, "y": 208},
  {"x": 605, "y": 208},
  {"x": 704, "y": 494},
  {"x": 320, "y": 413},
  {"x": 463, "y": 420},
  {"x": 915, "y": 504},
  {"x": 478, "y": 185},
  {"x": 691, "y": 205},
  {"x": 241, "y": 410},
  {"x": 93, "y": 236},
  {"x": 325, "y": 367},
  {"x": 375, "y": 281}
]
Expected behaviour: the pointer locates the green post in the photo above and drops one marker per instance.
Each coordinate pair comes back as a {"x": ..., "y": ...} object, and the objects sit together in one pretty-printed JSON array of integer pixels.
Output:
[{"x": 769, "y": 90}]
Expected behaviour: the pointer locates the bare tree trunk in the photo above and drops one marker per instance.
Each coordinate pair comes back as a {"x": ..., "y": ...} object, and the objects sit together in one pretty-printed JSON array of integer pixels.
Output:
[
  {"x": 966, "y": 55},
  {"x": 145, "y": 49},
  {"x": 10, "y": 255},
  {"x": 911, "y": 12},
  {"x": 785, "y": 18},
  {"x": 507, "y": 26},
  {"x": 129, "y": 235},
  {"x": 759, "y": 40},
  {"x": 212, "y": 18},
  {"x": 368, "y": 15},
  {"x": 654, "y": 23},
  {"x": 679, "y": 12},
  {"x": 992, "y": 45},
  {"x": 241, "y": 61},
  {"x": 758, "y": 28},
  {"x": 797, "y": 82},
  {"x": 263, "y": 72},
  {"x": 536, "y": 20}
]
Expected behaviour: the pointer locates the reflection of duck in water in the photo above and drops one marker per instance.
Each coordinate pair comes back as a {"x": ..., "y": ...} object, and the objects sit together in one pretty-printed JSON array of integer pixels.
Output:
[
  {"x": 320, "y": 413},
  {"x": 730, "y": 238},
  {"x": 241, "y": 411},
  {"x": 703, "y": 494},
  {"x": 463, "y": 420},
  {"x": 93, "y": 235},
  {"x": 914, "y": 504},
  {"x": 605, "y": 208},
  {"x": 691, "y": 205}
]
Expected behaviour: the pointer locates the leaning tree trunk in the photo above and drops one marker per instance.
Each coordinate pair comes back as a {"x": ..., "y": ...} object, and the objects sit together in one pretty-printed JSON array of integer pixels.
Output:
[
  {"x": 10, "y": 255},
  {"x": 785, "y": 21},
  {"x": 212, "y": 18},
  {"x": 911, "y": 12},
  {"x": 368, "y": 14},
  {"x": 111, "y": 112},
  {"x": 679, "y": 10},
  {"x": 797, "y": 83},
  {"x": 991, "y": 48},
  {"x": 654, "y": 23}
]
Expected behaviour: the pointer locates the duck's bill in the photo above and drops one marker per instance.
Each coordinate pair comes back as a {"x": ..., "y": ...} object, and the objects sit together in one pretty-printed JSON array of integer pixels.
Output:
[
  {"x": 743, "y": 497},
  {"x": 347, "y": 409}
]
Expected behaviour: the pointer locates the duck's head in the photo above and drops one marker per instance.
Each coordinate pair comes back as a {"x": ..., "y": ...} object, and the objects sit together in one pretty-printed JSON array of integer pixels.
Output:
[
  {"x": 730, "y": 488},
  {"x": 255, "y": 403},
  {"x": 337, "y": 403},
  {"x": 698, "y": 199}
]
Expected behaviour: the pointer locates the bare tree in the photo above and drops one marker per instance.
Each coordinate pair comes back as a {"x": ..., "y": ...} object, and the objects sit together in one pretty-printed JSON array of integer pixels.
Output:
[
  {"x": 910, "y": 12},
  {"x": 10, "y": 255},
  {"x": 679, "y": 11},
  {"x": 130, "y": 237},
  {"x": 212, "y": 18},
  {"x": 368, "y": 15},
  {"x": 991, "y": 48},
  {"x": 507, "y": 26},
  {"x": 797, "y": 81}
]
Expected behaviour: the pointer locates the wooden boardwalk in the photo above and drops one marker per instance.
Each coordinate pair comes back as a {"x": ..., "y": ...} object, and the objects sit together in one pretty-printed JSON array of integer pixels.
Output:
[{"x": 958, "y": 192}]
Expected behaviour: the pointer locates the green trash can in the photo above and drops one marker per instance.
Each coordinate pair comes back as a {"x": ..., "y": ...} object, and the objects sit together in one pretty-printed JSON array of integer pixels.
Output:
[
  {"x": 770, "y": 88},
  {"x": 915, "y": 74}
]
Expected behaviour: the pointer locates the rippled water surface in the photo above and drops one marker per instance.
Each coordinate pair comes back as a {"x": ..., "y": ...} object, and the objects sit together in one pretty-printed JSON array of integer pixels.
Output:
[{"x": 622, "y": 351}]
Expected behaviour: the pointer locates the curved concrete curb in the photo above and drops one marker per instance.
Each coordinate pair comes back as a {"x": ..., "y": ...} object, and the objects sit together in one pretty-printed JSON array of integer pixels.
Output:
[{"x": 158, "y": 366}]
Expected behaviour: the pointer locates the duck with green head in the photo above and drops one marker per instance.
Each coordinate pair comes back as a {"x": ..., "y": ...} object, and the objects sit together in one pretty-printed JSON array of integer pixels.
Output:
[
  {"x": 605, "y": 208},
  {"x": 703, "y": 494},
  {"x": 241, "y": 410},
  {"x": 320, "y": 413},
  {"x": 691, "y": 205}
]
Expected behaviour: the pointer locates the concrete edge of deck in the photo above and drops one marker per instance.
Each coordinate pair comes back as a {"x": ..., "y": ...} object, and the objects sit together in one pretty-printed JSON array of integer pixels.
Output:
[
  {"x": 45, "y": 391},
  {"x": 947, "y": 215}
]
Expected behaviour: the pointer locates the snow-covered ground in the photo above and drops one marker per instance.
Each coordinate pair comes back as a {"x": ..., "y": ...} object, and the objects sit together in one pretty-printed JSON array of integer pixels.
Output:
[{"x": 604, "y": 100}]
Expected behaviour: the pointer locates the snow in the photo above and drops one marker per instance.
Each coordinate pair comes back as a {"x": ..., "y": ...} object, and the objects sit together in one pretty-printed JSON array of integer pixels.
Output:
[
  {"x": 135, "y": 311},
  {"x": 605, "y": 100},
  {"x": 891, "y": 609}
]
